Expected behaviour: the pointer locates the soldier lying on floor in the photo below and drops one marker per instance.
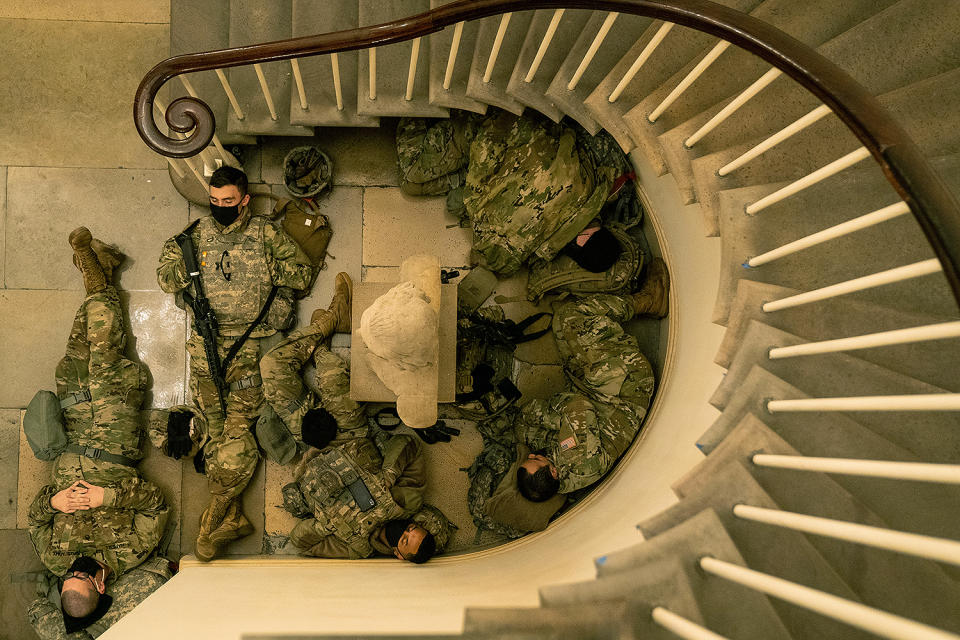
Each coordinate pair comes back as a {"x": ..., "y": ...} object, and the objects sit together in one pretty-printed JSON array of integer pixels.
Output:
[
  {"x": 98, "y": 519},
  {"x": 355, "y": 500}
]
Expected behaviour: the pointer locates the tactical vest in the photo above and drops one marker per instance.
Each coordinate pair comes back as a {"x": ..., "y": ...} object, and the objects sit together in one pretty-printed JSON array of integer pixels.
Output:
[
  {"x": 235, "y": 272},
  {"x": 326, "y": 488},
  {"x": 563, "y": 274}
]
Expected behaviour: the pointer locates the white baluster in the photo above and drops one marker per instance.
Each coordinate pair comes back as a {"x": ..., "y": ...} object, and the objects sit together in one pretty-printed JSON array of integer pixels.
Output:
[
  {"x": 592, "y": 51},
  {"x": 913, "y": 471},
  {"x": 914, "y": 402},
  {"x": 734, "y": 105},
  {"x": 335, "y": 67},
  {"x": 372, "y": 92},
  {"x": 787, "y": 132},
  {"x": 230, "y": 95},
  {"x": 820, "y": 174},
  {"x": 682, "y": 627},
  {"x": 412, "y": 70},
  {"x": 452, "y": 58},
  {"x": 690, "y": 78},
  {"x": 544, "y": 45},
  {"x": 495, "y": 50},
  {"x": 301, "y": 91},
  {"x": 641, "y": 60},
  {"x": 912, "y": 335},
  {"x": 266, "y": 91}
]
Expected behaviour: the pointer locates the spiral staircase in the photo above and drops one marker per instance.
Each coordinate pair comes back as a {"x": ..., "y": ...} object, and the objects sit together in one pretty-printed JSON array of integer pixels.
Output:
[{"x": 825, "y": 502}]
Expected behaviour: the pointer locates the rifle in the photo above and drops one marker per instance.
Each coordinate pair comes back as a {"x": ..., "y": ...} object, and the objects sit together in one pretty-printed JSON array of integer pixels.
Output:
[{"x": 204, "y": 320}]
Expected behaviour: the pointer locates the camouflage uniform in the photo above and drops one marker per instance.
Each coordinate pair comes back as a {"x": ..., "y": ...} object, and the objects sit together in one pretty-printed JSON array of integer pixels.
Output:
[
  {"x": 530, "y": 189},
  {"x": 127, "y": 592},
  {"x": 261, "y": 256},
  {"x": 584, "y": 431},
  {"x": 433, "y": 155},
  {"x": 94, "y": 365}
]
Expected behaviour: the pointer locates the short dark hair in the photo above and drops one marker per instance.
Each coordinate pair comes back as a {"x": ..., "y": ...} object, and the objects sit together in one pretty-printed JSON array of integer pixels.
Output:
[
  {"x": 318, "y": 427},
  {"x": 600, "y": 252},
  {"x": 428, "y": 547},
  {"x": 539, "y": 486},
  {"x": 77, "y": 604},
  {"x": 225, "y": 176}
]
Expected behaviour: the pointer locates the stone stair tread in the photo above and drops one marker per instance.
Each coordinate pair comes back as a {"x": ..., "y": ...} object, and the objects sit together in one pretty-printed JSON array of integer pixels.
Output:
[
  {"x": 662, "y": 583},
  {"x": 727, "y": 608},
  {"x": 919, "y": 507},
  {"x": 393, "y": 64},
  {"x": 533, "y": 93},
  {"x": 934, "y": 436},
  {"x": 930, "y": 362},
  {"x": 813, "y": 23},
  {"x": 311, "y": 17},
  {"x": 255, "y": 22},
  {"x": 440, "y": 43},
  {"x": 920, "y": 590},
  {"x": 611, "y": 619},
  {"x": 682, "y": 44},
  {"x": 495, "y": 91},
  {"x": 203, "y": 27},
  {"x": 762, "y": 547},
  {"x": 621, "y": 36},
  {"x": 840, "y": 198}
]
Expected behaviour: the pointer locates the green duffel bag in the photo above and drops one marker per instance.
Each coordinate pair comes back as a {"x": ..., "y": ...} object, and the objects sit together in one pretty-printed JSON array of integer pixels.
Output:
[{"x": 43, "y": 426}]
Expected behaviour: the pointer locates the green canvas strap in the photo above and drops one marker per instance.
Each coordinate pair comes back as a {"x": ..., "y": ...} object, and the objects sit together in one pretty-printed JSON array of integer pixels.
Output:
[
  {"x": 99, "y": 454},
  {"x": 75, "y": 398}
]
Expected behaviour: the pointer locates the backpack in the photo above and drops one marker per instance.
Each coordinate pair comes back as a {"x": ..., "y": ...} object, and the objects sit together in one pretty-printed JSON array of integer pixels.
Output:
[
  {"x": 43, "y": 426},
  {"x": 309, "y": 229},
  {"x": 486, "y": 472},
  {"x": 564, "y": 275}
]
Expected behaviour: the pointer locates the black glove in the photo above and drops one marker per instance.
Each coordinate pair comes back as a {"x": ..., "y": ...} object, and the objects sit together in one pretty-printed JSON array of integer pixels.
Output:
[
  {"x": 200, "y": 463},
  {"x": 439, "y": 432},
  {"x": 179, "y": 443}
]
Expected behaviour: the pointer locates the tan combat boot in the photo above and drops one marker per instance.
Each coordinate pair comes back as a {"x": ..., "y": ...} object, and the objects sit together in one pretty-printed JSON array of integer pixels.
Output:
[
  {"x": 651, "y": 300},
  {"x": 109, "y": 256},
  {"x": 233, "y": 527},
  {"x": 336, "y": 317},
  {"x": 86, "y": 260}
]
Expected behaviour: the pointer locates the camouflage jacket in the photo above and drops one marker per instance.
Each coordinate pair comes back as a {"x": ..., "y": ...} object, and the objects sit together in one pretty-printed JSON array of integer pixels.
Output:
[
  {"x": 431, "y": 154},
  {"x": 254, "y": 252},
  {"x": 339, "y": 529},
  {"x": 127, "y": 592},
  {"x": 120, "y": 534},
  {"x": 529, "y": 189}
]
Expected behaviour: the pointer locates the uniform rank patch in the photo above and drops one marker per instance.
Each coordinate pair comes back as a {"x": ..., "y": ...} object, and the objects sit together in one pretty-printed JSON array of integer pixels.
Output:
[{"x": 568, "y": 443}]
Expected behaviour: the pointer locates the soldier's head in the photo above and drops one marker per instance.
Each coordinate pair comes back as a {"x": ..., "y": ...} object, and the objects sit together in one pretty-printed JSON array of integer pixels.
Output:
[
  {"x": 595, "y": 249},
  {"x": 318, "y": 427},
  {"x": 538, "y": 478},
  {"x": 82, "y": 586},
  {"x": 409, "y": 541},
  {"x": 228, "y": 192}
]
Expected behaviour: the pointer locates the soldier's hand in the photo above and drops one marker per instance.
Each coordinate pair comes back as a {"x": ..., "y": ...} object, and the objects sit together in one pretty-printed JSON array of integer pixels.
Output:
[
  {"x": 73, "y": 498},
  {"x": 93, "y": 493}
]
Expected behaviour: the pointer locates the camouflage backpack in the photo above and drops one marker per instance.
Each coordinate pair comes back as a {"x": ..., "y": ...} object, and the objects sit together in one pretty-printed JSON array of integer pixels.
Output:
[{"x": 563, "y": 274}]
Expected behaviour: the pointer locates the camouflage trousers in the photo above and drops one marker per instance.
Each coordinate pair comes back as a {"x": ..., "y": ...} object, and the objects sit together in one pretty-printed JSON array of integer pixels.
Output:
[
  {"x": 433, "y": 155},
  {"x": 230, "y": 452},
  {"x": 283, "y": 387},
  {"x": 94, "y": 363}
]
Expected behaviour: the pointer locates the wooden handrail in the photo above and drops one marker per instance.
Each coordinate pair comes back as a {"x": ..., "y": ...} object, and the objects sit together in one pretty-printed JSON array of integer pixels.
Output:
[{"x": 931, "y": 203}]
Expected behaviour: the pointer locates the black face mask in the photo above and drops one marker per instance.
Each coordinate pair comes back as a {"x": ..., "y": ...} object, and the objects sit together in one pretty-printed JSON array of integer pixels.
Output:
[
  {"x": 86, "y": 564},
  {"x": 393, "y": 529},
  {"x": 225, "y": 215}
]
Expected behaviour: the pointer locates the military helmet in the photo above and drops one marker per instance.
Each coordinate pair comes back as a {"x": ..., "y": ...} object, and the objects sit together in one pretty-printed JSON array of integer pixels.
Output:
[{"x": 307, "y": 171}]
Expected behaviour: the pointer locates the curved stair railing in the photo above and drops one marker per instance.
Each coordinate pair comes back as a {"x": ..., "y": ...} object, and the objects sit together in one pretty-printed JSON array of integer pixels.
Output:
[{"x": 922, "y": 192}]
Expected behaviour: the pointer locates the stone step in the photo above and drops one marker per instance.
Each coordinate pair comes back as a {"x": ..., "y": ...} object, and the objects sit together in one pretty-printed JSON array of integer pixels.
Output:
[
  {"x": 533, "y": 93},
  {"x": 203, "y": 27},
  {"x": 495, "y": 90},
  {"x": 930, "y": 362},
  {"x": 813, "y": 23},
  {"x": 256, "y": 22},
  {"x": 727, "y": 608},
  {"x": 894, "y": 33},
  {"x": 661, "y": 583},
  {"x": 843, "y": 197},
  {"x": 455, "y": 97},
  {"x": 312, "y": 17},
  {"x": 926, "y": 109},
  {"x": 933, "y": 435},
  {"x": 920, "y": 507},
  {"x": 619, "y": 39},
  {"x": 604, "y": 620},
  {"x": 762, "y": 547},
  {"x": 894, "y": 582},
  {"x": 393, "y": 65},
  {"x": 679, "y": 46}
]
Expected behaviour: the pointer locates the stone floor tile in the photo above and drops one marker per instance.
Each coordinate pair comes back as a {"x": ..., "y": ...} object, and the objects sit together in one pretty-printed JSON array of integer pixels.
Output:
[
  {"x": 277, "y": 520},
  {"x": 135, "y": 209},
  {"x": 396, "y": 226},
  {"x": 32, "y": 475},
  {"x": 539, "y": 380},
  {"x": 3, "y": 223},
  {"x": 17, "y": 583},
  {"x": 9, "y": 454},
  {"x": 360, "y": 157},
  {"x": 33, "y": 336},
  {"x": 135, "y": 11},
  {"x": 78, "y": 80},
  {"x": 157, "y": 332},
  {"x": 165, "y": 473}
]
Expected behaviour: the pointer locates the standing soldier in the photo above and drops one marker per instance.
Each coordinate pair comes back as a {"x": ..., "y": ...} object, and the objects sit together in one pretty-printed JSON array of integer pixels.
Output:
[{"x": 242, "y": 268}]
